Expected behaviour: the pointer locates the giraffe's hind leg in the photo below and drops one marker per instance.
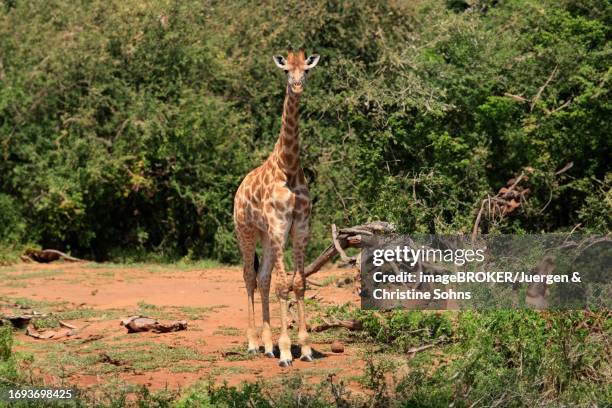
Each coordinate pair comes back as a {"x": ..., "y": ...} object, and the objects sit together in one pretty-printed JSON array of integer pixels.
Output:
[
  {"x": 264, "y": 276},
  {"x": 247, "y": 240}
]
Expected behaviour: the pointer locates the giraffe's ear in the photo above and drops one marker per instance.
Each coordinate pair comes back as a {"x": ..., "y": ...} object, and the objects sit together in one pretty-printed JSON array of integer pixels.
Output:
[
  {"x": 280, "y": 61},
  {"x": 312, "y": 61}
]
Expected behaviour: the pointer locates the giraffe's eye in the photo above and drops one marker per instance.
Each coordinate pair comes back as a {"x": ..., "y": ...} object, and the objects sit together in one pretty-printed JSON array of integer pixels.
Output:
[
  {"x": 286, "y": 71},
  {"x": 306, "y": 71}
]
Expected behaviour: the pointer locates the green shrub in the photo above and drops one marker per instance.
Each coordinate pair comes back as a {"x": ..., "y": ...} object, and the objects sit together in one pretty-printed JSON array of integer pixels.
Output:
[
  {"x": 129, "y": 125},
  {"x": 12, "y": 224},
  {"x": 8, "y": 365},
  {"x": 404, "y": 329},
  {"x": 519, "y": 358}
]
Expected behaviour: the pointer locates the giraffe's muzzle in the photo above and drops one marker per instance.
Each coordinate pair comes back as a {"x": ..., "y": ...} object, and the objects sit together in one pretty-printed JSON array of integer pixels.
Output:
[{"x": 297, "y": 88}]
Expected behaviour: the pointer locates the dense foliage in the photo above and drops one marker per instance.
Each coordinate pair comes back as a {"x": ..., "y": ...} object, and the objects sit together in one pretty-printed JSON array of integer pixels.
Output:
[
  {"x": 129, "y": 124},
  {"x": 8, "y": 366}
]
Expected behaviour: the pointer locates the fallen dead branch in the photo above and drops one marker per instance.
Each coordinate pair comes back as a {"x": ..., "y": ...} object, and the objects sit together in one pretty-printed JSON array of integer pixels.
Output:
[
  {"x": 67, "y": 325},
  {"x": 415, "y": 350},
  {"x": 137, "y": 324},
  {"x": 439, "y": 341},
  {"x": 506, "y": 200},
  {"x": 338, "y": 247},
  {"x": 348, "y": 237},
  {"x": 352, "y": 325},
  {"x": 92, "y": 337},
  {"x": 48, "y": 334},
  {"x": 65, "y": 330},
  {"x": 47, "y": 256},
  {"x": 358, "y": 237}
]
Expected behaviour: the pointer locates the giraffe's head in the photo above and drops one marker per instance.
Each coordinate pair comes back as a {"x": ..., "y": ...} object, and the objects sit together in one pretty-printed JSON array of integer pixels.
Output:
[{"x": 297, "y": 67}]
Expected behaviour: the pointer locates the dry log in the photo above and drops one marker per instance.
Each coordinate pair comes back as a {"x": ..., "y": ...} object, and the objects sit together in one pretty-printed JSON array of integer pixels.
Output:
[
  {"x": 348, "y": 237},
  {"x": 352, "y": 325},
  {"x": 49, "y": 255},
  {"x": 322, "y": 259},
  {"x": 137, "y": 324},
  {"x": 48, "y": 334}
]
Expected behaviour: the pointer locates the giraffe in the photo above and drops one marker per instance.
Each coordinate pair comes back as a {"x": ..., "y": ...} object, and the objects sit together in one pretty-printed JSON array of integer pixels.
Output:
[{"x": 271, "y": 204}]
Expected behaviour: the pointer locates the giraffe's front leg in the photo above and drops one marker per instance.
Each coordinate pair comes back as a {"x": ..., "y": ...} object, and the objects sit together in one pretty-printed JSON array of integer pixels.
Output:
[
  {"x": 279, "y": 217},
  {"x": 279, "y": 230},
  {"x": 300, "y": 239}
]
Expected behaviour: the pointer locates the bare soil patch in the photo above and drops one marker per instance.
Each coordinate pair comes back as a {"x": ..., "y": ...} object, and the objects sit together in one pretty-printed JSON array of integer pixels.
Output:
[{"x": 95, "y": 297}]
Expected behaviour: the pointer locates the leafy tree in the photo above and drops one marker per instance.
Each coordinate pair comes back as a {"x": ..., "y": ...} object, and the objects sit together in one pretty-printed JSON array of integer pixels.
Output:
[{"x": 127, "y": 126}]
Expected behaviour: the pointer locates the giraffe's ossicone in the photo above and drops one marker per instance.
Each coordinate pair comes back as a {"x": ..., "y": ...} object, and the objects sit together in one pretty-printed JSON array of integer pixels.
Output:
[{"x": 271, "y": 204}]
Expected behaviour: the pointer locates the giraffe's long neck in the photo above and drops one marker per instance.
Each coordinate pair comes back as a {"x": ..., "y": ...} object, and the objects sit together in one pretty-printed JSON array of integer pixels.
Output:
[{"x": 287, "y": 147}]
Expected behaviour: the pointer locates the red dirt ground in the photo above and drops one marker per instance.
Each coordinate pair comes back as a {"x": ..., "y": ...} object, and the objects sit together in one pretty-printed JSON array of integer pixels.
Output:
[{"x": 168, "y": 289}]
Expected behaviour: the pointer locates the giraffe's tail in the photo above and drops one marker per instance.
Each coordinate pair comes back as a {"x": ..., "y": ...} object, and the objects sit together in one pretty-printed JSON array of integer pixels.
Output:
[{"x": 256, "y": 264}]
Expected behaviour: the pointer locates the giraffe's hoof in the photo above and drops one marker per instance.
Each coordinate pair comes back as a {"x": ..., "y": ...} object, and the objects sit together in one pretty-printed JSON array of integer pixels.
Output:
[
  {"x": 253, "y": 351},
  {"x": 306, "y": 357},
  {"x": 269, "y": 354},
  {"x": 285, "y": 363}
]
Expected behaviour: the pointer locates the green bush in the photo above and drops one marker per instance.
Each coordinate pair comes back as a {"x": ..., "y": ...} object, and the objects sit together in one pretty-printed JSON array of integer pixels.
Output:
[
  {"x": 12, "y": 224},
  {"x": 404, "y": 329},
  {"x": 129, "y": 125},
  {"x": 8, "y": 365},
  {"x": 519, "y": 359}
]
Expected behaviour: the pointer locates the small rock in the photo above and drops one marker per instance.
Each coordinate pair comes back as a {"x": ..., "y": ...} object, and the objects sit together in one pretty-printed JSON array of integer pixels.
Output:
[{"x": 337, "y": 347}]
